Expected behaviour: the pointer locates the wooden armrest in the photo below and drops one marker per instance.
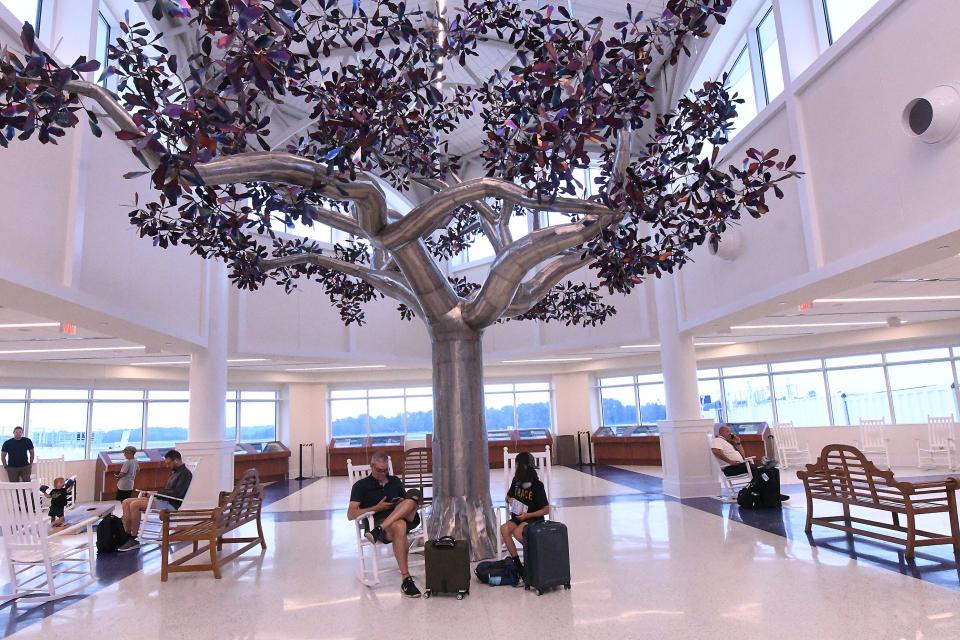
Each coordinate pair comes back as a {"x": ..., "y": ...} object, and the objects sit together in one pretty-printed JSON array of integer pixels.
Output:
[{"x": 83, "y": 524}]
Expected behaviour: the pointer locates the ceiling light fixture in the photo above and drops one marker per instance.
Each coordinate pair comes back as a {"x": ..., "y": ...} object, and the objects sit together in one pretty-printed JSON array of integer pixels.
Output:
[
  {"x": 714, "y": 344},
  {"x": 535, "y": 360},
  {"x": 890, "y": 299},
  {"x": 157, "y": 363},
  {"x": 364, "y": 366},
  {"x": 29, "y": 325},
  {"x": 12, "y": 351},
  {"x": 640, "y": 346},
  {"x": 806, "y": 325}
]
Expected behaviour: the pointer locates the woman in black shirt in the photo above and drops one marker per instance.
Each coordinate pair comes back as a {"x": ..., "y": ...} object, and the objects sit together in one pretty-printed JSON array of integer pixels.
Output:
[{"x": 526, "y": 503}]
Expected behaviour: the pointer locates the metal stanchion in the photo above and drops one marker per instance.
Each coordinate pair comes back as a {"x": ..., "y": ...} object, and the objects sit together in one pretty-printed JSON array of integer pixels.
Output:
[
  {"x": 313, "y": 462},
  {"x": 589, "y": 462}
]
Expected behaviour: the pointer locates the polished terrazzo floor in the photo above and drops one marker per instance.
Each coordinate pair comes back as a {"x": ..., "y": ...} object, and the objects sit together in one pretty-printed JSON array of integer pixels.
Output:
[{"x": 643, "y": 567}]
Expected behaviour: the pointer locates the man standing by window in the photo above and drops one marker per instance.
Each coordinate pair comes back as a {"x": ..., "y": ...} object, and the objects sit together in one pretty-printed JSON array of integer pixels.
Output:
[{"x": 17, "y": 456}]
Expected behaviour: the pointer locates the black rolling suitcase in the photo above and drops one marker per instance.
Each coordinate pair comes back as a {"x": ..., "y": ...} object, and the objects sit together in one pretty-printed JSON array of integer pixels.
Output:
[
  {"x": 447, "y": 562},
  {"x": 546, "y": 556}
]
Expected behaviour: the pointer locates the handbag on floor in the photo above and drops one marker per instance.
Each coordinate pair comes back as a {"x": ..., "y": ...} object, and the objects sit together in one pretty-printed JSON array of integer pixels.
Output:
[
  {"x": 110, "y": 534},
  {"x": 498, "y": 573}
]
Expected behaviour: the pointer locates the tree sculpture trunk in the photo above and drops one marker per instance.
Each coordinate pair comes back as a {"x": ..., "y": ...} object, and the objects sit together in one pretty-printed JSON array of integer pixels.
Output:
[{"x": 461, "y": 471}]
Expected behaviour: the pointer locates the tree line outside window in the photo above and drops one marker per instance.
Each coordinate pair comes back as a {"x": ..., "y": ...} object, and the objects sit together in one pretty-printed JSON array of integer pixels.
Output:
[
  {"x": 903, "y": 387},
  {"x": 80, "y": 423},
  {"x": 408, "y": 411}
]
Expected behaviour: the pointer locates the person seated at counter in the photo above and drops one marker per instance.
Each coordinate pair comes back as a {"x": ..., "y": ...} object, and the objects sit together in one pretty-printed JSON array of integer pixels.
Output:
[
  {"x": 394, "y": 514},
  {"x": 169, "y": 498},
  {"x": 729, "y": 451}
]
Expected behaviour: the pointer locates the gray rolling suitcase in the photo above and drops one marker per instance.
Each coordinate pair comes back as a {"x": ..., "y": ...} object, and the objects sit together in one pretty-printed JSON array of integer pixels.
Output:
[
  {"x": 546, "y": 556},
  {"x": 447, "y": 562}
]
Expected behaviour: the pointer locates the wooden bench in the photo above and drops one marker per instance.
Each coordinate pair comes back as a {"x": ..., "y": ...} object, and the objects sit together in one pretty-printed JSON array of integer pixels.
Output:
[
  {"x": 240, "y": 506},
  {"x": 843, "y": 475}
]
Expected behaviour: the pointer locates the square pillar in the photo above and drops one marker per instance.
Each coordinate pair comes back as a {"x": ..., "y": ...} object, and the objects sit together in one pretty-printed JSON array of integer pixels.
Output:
[
  {"x": 687, "y": 467},
  {"x": 215, "y": 473}
]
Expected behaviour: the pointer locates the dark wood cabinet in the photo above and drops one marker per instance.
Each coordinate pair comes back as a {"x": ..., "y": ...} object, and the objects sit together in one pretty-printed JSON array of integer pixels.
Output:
[
  {"x": 626, "y": 445},
  {"x": 270, "y": 459},
  {"x": 359, "y": 450}
]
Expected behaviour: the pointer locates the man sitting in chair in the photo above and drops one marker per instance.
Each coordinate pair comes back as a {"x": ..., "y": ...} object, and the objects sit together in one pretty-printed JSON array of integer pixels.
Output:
[
  {"x": 173, "y": 492},
  {"x": 729, "y": 451},
  {"x": 394, "y": 514}
]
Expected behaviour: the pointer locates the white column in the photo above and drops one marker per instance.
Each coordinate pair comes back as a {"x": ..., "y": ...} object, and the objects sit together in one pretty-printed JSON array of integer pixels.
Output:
[
  {"x": 208, "y": 389},
  {"x": 687, "y": 470}
]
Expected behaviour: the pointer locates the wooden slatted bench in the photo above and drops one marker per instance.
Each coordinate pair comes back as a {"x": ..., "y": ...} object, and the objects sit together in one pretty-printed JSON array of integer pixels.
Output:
[
  {"x": 240, "y": 506},
  {"x": 842, "y": 474}
]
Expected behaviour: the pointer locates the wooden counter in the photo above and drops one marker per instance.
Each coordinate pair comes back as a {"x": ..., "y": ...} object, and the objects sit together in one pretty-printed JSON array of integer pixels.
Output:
[
  {"x": 270, "y": 460},
  {"x": 359, "y": 450}
]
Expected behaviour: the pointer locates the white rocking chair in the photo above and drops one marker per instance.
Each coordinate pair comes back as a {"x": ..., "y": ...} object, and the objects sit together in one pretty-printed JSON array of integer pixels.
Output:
[
  {"x": 151, "y": 528},
  {"x": 368, "y": 553},
  {"x": 43, "y": 565},
  {"x": 46, "y": 470},
  {"x": 544, "y": 469},
  {"x": 873, "y": 442},
  {"x": 789, "y": 450},
  {"x": 941, "y": 448},
  {"x": 732, "y": 484}
]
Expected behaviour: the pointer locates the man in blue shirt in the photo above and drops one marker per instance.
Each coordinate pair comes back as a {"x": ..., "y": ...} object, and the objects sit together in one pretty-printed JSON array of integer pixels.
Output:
[{"x": 17, "y": 455}]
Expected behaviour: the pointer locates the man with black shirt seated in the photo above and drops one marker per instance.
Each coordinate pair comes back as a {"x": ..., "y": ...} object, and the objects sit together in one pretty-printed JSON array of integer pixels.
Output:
[
  {"x": 394, "y": 513},
  {"x": 729, "y": 451}
]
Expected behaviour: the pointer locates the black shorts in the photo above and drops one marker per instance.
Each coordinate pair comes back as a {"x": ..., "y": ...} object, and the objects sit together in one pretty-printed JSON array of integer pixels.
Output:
[
  {"x": 123, "y": 494},
  {"x": 380, "y": 516}
]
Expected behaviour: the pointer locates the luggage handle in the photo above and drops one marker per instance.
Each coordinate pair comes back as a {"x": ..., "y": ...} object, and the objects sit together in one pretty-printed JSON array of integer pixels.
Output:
[{"x": 445, "y": 542}]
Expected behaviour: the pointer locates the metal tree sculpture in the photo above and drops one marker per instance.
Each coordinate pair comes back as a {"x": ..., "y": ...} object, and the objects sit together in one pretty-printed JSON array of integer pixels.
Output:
[{"x": 372, "y": 79}]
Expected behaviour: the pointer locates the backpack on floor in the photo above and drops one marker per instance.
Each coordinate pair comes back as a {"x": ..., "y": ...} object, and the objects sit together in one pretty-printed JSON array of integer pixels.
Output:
[
  {"x": 498, "y": 572},
  {"x": 763, "y": 492},
  {"x": 110, "y": 534}
]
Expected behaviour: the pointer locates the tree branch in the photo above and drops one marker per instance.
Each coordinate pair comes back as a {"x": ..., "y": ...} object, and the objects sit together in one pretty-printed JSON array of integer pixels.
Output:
[
  {"x": 336, "y": 220},
  {"x": 426, "y": 218},
  {"x": 509, "y": 268},
  {"x": 530, "y": 292},
  {"x": 388, "y": 283}
]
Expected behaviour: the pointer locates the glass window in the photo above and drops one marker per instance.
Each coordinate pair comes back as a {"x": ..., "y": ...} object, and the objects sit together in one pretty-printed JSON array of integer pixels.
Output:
[
  {"x": 740, "y": 82},
  {"x": 24, "y": 10},
  {"x": 842, "y": 14},
  {"x": 230, "y": 424},
  {"x": 103, "y": 39},
  {"x": 799, "y": 365},
  {"x": 921, "y": 354},
  {"x": 770, "y": 57},
  {"x": 533, "y": 409},
  {"x": 118, "y": 394},
  {"x": 59, "y": 428},
  {"x": 348, "y": 417},
  {"x": 854, "y": 361},
  {"x": 748, "y": 399},
  {"x": 921, "y": 390},
  {"x": 858, "y": 394},
  {"x": 651, "y": 377},
  {"x": 752, "y": 370},
  {"x": 168, "y": 395},
  {"x": 167, "y": 423},
  {"x": 532, "y": 386},
  {"x": 707, "y": 373},
  {"x": 258, "y": 421},
  {"x": 386, "y": 416},
  {"x": 615, "y": 382},
  {"x": 11, "y": 417},
  {"x": 384, "y": 393},
  {"x": 13, "y": 394},
  {"x": 419, "y": 391},
  {"x": 653, "y": 403},
  {"x": 59, "y": 394},
  {"x": 419, "y": 414},
  {"x": 498, "y": 410},
  {"x": 257, "y": 395},
  {"x": 348, "y": 393},
  {"x": 618, "y": 406},
  {"x": 711, "y": 405},
  {"x": 801, "y": 399},
  {"x": 115, "y": 425}
]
